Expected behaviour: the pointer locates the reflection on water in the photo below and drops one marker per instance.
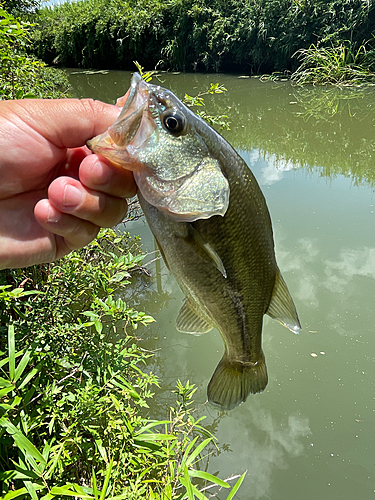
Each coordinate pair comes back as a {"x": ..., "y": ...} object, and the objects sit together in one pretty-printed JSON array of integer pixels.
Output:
[
  {"x": 268, "y": 444},
  {"x": 310, "y": 434},
  {"x": 272, "y": 167}
]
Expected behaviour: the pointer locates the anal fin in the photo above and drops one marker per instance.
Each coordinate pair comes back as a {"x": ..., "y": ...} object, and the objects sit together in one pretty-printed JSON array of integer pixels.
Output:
[
  {"x": 188, "y": 321},
  {"x": 282, "y": 307}
]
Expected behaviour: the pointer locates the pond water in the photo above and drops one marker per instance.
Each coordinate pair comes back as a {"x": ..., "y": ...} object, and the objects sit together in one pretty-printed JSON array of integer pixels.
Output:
[{"x": 310, "y": 434}]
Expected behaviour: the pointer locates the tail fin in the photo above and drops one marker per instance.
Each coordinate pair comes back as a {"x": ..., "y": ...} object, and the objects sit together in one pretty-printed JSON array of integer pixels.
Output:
[{"x": 233, "y": 381}]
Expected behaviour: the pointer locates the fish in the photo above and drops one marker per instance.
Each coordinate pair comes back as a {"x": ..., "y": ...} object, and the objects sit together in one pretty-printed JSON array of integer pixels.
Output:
[{"x": 212, "y": 226}]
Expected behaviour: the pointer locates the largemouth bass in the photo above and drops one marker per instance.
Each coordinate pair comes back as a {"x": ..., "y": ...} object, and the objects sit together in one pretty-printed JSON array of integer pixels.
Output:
[{"x": 212, "y": 226}]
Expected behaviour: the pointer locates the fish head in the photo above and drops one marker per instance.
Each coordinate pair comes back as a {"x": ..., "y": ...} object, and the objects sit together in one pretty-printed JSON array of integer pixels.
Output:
[{"x": 159, "y": 138}]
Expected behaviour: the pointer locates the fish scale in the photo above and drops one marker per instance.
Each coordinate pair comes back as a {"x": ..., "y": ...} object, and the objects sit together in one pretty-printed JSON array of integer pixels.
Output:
[{"x": 212, "y": 225}]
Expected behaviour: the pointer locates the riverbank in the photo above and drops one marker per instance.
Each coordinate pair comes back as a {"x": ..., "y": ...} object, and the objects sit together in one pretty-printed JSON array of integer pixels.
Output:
[{"x": 191, "y": 35}]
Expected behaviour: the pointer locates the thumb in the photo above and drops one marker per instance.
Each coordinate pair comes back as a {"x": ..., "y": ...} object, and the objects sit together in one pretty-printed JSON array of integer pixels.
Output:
[{"x": 66, "y": 123}]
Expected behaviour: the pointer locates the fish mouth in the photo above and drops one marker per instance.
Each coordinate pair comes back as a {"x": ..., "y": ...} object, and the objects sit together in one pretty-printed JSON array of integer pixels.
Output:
[{"x": 132, "y": 128}]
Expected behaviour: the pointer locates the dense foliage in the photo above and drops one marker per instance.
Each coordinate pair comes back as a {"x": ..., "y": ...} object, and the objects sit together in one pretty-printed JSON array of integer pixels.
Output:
[
  {"x": 21, "y": 7},
  {"x": 74, "y": 391},
  {"x": 22, "y": 75},
  {"x": 253, "y": 36}
]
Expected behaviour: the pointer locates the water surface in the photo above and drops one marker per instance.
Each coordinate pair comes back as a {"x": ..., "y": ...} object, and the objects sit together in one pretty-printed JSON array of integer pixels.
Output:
[{"x": 311, "y": 433}]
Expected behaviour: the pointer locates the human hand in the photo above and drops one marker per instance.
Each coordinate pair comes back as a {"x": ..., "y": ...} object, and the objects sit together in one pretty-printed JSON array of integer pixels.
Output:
[{"x": 54, "y": 193}]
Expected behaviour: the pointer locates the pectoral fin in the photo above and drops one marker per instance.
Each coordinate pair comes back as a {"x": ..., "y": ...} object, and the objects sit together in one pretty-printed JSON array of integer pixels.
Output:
[
  {"x": 188, "y": 321},
  {"x": 205, "y": 250},
  {"x": 282, "y": 307}
]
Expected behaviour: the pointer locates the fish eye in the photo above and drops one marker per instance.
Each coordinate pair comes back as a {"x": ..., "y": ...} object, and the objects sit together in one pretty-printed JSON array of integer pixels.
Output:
[{"x": 174, "y": 123}]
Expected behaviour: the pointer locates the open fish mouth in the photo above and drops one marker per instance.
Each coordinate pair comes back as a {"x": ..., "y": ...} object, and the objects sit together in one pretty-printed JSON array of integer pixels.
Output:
[{"x": 132, "y": 127}]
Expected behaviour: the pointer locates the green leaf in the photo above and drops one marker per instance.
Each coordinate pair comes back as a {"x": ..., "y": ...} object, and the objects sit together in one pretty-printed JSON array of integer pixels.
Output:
[
  {"x": 198, "y": 493},
  {"x": 5, "y": 383},
  {"x": 94, "y": 485},
  {"x": 22, "y": 365},
  {"x": 31, "y": 489},
  {"x": 153, "y": 424},
  {"x": 98, "y": 326},
  {"x": 15, "y": 494},
  {"x": 12, "y": 352},
  {"x": 21, "y": 441},
  {"x": 155, "y": 437},
  {"x": 208, "y": 477},
  {"x": 146, "y": 446},
  {"x": 106, "y": 480},
  {"x": 188, "y": 485},
  {"x": 66, "y": 491},
  {"x": 187, "y": 451},
  {"x": 102, "y": 450},
  {"x": 197, "y": 451},
  {"x": 28, "y": 377},
  {"x": 5, "y": 391},
  {"x": 18, "y": 473},
  {"x": 236, "y": 487}
]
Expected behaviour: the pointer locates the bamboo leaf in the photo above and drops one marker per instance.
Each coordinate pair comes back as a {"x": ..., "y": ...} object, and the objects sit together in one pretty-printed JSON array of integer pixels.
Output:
[
  {"x": 5, "y": 383},
  {"x": 21, "y": 440},
  {"x": 153, "y": 424},
  {"x": 187, "y": 451},
  {"x": 94, "y": 485},
  {"x": 106, "y": 480},
  {"x": 5, "y": 391},
  {"x": 31, "y": 489},
  {"x": 22, "y": 365},
  {"x": 15, "y": 494},
  {"x": 188, "y": 485},
  {"x": 18, "y": 473},
  {"x": 197, "y": 451},
  {"x": 12, "y": 352},
  {"x": 28, "y": 377},
  {"x": 198, "y": 493},
  {"x": 236, "y": 487},
  {"x": 155, "y": 437},
  {"x": 209, "y": 477},
  {"x": 66, "y": 491}
]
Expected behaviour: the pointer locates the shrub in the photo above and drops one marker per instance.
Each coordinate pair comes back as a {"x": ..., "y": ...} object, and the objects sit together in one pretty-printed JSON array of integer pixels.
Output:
[
  {"x": 74, "y": 391},
  {"x": 20, "y": 74}
]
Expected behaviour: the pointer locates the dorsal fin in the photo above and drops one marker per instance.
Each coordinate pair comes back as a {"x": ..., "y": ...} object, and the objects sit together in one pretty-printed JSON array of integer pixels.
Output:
[
  {"x": 188, "y": 321},
  {"x": 282, "y": 307}
]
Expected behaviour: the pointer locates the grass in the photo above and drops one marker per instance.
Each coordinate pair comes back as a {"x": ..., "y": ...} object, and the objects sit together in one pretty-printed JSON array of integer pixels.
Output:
[
  {"x": 75, "y": 389},
  {"x": 339, "y": 64}
]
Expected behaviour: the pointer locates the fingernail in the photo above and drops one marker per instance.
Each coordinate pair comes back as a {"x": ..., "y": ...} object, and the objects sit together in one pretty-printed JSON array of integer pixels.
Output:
[
  {"x": 53, "y": 215},
  {"x": 100, "y": 173},
  {"x": 72, "y": 196}
]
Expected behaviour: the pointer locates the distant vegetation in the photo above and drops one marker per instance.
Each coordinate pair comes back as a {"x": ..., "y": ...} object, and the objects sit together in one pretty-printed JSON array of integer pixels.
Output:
[
  {"x": 250, "y": 36},
  {"x": 22, "y": 75}
]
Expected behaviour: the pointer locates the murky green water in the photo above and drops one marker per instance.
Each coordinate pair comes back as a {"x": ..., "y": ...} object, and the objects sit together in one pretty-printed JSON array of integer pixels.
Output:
[{"x": 311, "y": 434}]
